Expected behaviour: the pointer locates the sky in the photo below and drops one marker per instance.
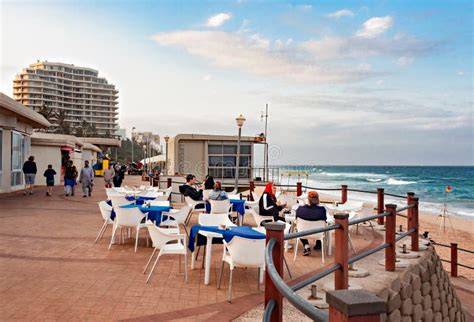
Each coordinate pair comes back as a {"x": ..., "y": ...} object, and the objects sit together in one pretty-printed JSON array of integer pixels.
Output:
[{"x": 346, "y": 82}]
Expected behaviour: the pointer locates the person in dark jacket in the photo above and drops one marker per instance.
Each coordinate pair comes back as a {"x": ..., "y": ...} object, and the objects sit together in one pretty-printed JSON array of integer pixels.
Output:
[
  {"x": 311, "y": 212},
  {"x": 189, "y": 191},
  {"x": 70, "y": 175},
  {"x": 49, "y": 174},
  {"x": 29, "y": 170},
  {"x": 268, "y": 205},
  {"x": 209, "y": 183}
]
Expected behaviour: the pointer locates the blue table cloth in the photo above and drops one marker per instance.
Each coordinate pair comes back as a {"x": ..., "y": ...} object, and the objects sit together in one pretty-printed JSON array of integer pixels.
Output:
[
  {"x": 227, "y": 234},
  {"x": 154, "y": 212},
  {"x": 237, "y": 205},
  {"x": 139, "y": 200}
]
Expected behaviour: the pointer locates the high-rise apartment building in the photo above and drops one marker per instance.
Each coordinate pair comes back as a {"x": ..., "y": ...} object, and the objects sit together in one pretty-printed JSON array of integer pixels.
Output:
[{"x": 78, "y": 91}]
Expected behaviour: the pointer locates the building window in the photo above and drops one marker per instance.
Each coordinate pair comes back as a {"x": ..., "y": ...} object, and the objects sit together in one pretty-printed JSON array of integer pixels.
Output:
[
  {"x": 18, "y": 155},
  {"x": 222, "y": 158}
]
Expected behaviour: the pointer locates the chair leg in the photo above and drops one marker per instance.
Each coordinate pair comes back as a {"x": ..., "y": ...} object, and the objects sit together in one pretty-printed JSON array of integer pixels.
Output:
[
  {"x": 322, "y": 249},
  {"x": 203, "y": 257},
  {"x": 287, "y": 267},
  {"x": 100, "y": 231},
  {"x": 352, "y": 245},
  {"x": 112, "y": 239},
  {"x": 185, "y": 230},
  {"x": 147, "y": 237},
  {"x": 186, "y": 267},
  {"x": 296, "y": 249},
  {"x": 230, "y": 286},
  {"x": 136, "y": 240},
  {"x": 149, "y": 260},
  {"x": 220, "y": 276},
  {"x": 258, "y": 279},
  {"x": 103, "y": 231},
  {"x": 154, "y": 265}
]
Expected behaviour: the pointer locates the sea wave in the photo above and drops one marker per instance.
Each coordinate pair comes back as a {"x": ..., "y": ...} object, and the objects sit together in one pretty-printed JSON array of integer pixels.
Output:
[
  {"x": 374, "y": 180},
  {"x": 352, "y": 174},
  {"x": 392, "y": 181}
]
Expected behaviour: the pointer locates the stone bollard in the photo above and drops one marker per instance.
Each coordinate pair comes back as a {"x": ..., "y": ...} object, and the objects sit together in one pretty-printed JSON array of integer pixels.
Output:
[{"x": 354, "y": 306}]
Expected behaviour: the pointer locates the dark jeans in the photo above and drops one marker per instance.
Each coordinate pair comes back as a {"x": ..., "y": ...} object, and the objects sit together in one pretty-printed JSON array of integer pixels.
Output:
[
  {"x": 274, "y": 213},
  {"x": 305, "y": 242}
]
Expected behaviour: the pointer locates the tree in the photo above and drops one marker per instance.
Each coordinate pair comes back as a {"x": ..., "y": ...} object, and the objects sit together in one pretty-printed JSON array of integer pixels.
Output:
[
  {"x": 63, "y": 126},
  {"x": 47, "y": 112}
]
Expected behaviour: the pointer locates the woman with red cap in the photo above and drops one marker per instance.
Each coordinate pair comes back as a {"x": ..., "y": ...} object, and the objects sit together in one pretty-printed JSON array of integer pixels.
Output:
[{"x": 268, "y": 205}]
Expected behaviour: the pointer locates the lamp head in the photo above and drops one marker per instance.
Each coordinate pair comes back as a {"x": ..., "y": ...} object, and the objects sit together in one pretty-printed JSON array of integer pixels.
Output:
[
  {"x": 166, "y": 138},
  {"x": 240, "y": 120}
]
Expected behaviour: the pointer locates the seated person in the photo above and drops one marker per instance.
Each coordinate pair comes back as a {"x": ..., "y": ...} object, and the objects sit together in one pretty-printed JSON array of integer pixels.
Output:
[
  {"x": 209, "y": 183},
  {"x": 268, "y": 205},
  {"x": 188, "y": 189},
  {"x": 311, "y": 212},
  {"x": 217, "y": 193}
]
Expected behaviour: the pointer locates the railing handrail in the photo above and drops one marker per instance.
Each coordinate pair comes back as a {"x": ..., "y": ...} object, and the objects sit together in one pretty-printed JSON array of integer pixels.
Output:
[
  {"x": 301, "y": 304},
  {"x": 311, "y": 231}
]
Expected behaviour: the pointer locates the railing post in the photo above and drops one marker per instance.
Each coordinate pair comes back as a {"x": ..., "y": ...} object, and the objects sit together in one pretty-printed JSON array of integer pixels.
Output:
[
  {"x": 416, "y": 235},
  {"x": 168, "y": 182},
  {"x": 454, "y": 259},
  {"x": 341, "y": 253},
  {"x": 343, "y": 193},
  {"x": 410, "y": 219},
  {"x": 390, "y": 225},
  {"x": 380, "y": 204},
  {"x": 275, "y": 231},
  {"x": 251, "y": 189},
  {"x": 354, "y": 306},
  {"x": 299, "y": 189}
]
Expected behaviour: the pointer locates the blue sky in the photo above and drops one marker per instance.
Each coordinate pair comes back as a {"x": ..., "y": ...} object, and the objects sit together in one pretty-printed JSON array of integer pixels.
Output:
[{"x": 347, "y": 82}]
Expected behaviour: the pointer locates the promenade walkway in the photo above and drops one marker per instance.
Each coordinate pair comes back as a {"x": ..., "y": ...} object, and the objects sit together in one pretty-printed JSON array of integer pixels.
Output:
[{"x": 51, "y": 268}]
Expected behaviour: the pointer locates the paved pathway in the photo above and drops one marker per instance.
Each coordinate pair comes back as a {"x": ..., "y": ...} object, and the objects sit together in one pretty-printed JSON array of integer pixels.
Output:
[{"x": 51, "y": 268}]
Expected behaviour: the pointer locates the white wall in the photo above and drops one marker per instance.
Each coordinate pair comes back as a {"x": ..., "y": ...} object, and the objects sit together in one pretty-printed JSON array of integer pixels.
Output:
[{"x": 45, "y": 155}]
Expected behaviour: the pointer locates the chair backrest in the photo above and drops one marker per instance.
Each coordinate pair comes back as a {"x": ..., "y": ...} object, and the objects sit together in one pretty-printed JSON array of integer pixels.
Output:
[
  {"x": 129, "y": 217},
  {"x": 119, "y": 200},
  {"x": 162, "y": 198},
  {"x": 160, "y": 203},
  {"x": 181, "y": 215},
  {"x": 168, "y": 191},
  {"x": 105, "y": 210},
  {"x": 190, "y": 202},
  {"x": 206, "y": 193},
  {"x": 351, "y": 205},
  {"x": 160, "y": 236},
  {"x": 220, "y": 206},
  {"x": 234, "y": 196},
  {"x": 303, "y": 225},
  {"x": 214, "y": 219},
  {"x": 247, "y": 252}
]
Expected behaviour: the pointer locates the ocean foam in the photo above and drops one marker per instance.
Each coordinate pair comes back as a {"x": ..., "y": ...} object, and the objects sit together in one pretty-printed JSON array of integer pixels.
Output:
[
  {"x": 374, "y": 180},
  {"x": 392, "y": 181}
]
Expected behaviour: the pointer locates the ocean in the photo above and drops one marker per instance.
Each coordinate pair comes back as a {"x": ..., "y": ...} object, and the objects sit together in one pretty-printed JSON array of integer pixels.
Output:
[{"x": 427, "y": 182}]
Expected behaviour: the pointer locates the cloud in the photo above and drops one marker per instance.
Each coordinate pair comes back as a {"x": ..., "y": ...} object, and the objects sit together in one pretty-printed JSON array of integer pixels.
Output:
[
  {"x": 218, "y": 20},
  {"x": 340, "y": 13},
  {"x": 207, "y": 78},
  {"x": 405, "y": 61},
  {"x": 375, "y": 26},
  {"x": 460, "y": 73},
  {"x": 255, "y": 54}
]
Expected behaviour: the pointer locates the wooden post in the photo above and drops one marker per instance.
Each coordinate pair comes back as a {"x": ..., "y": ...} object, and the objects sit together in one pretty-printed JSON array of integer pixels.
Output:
[
  {"x": 299, "y": 189},
  {"x": 380, "y": 204},
  {"x": 390, "y": 237},
  {"x": 341, "y": 253},
  {"x": 343, "y": 193},
  {"x": 354, "y": 306},
  {"x": 168, "y": 182},
  {"x": 251, "y": 189},
  {"x": 415, "y": 242},
  {"x": 276, "y": 231},
  {"x": 454, "y": 259},
  {"x": 410, "y": 220}
]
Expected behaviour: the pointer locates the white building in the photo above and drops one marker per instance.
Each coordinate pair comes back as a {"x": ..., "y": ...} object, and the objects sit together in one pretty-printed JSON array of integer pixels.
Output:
[{"x": 16, "y": 126}]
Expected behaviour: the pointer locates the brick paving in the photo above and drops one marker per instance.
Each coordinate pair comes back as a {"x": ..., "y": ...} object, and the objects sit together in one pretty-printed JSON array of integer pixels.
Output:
[{"x": 52, "y": 270}]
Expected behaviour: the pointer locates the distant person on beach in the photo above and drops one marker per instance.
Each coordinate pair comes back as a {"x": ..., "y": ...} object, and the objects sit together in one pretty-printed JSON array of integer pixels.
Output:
[
  {"x": 311, "y": 212},
  {"x": 188, "y": 189},
  {"x": 70, "y": 175},
  {"x": 217, "y": 193},
  {"x": 209, "y": 183},
  {"x": 268, "y": 205},
  {"x": 29, "y": 170},
  {"x": 49, "y": 174},
  {"x": 86, "y": 179},
  {"x": 109, "y": 174}
]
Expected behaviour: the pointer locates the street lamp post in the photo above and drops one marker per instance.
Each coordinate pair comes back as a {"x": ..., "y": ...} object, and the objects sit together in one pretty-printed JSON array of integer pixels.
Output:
[
  {"x": 145, "y": 163},
  {"x": 167, "y": 138},
  {"x": 240, "y": 122},
  {"x": 133, "y": 128}
]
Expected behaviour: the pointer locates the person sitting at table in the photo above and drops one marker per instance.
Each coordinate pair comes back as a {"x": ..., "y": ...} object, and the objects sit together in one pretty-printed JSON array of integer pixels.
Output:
[
  {"x": 268, "y": 205},
  {"x": 217, "y": 193},
  {"x": 188, "y": 189},
  {"x": 209, "y": 183},
  {"x": 311, "y": 212}
]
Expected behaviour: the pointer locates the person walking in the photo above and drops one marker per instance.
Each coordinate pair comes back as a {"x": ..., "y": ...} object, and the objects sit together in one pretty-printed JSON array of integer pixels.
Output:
[
  {"x": 70, "y": 175},
  {"x": 29, "y": 170},
  {"x": 49, "y": 174},
  {"x": 109, "y": 174},
  {"x": 117, "y": 178},
  {"x": 86, "y": 179}
]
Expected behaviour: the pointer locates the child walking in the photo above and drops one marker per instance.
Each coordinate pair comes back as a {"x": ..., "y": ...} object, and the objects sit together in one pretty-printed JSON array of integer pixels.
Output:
[{"x": 49, "y": 174}]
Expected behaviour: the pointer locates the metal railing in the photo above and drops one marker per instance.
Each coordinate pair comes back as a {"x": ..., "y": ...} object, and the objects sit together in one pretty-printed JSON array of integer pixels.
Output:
[{"x": 454, "y": 257}]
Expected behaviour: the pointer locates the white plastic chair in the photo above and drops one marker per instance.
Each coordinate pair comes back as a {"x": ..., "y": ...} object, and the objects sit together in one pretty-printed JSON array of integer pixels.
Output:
[
  {"x": 161, "y": 238},
  {"x": 159, "y": 203},
  {"x": 105, "y": 211},
  {"x": 243, "y": 252},
  {"x": 205, "y": 194},
  {"x": 303, "y": 225},
  {"x": 119, "y": 200},
  {"x": 234, "y": 196},
  {"x": 193, "y": 204},
  {"x": 162, "y": 197},
  {"x": 128, "y": 218},
  {"x": 214, "y": 220},
  {"x": 259, "y": 219},
  {"x": 178, "y": 217},
  {"x": 220, "y": 206}
]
